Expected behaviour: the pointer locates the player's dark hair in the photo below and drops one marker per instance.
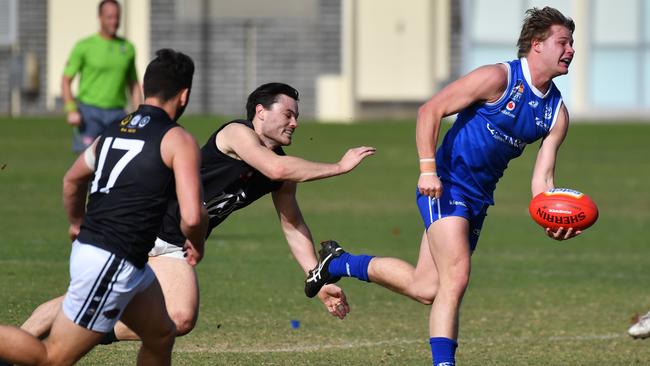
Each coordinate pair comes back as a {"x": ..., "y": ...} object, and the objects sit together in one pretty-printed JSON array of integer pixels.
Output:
[
  {"x": 168, "y": 74},
  {"x": 537, "y": 26},
  {"x": 104, "y": 2},
  {"x": 266, "y": 95}
]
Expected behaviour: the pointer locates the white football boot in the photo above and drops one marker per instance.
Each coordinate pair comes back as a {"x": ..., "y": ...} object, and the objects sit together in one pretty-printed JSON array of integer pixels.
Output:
[{"x": 640, "y": 329}]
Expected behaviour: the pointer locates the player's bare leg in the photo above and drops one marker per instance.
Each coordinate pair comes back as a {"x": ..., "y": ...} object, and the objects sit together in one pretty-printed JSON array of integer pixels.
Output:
[
  {"x": 180, "y": 287},
  {"x": 448, "y": 239},
  {"x": 40, "y": 322},
  {"x": 66, "y": 344},
  {"x": 158, "y": 335},
  {"x": 419, "y": 283},
  {"x": 449, "y": 243},
  {"x": 441, "y": 282},
  {"x": 18, "y": 346}
]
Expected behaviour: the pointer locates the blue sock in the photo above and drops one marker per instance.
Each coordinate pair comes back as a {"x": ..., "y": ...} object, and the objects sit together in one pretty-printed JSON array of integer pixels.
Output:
[
  {"x": 348, "y": 265},
  {"x": 443, "y": 351}
]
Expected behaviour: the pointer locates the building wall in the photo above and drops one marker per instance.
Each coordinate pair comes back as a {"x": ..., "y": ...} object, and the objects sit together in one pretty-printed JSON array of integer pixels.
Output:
[
  {"x": 65, "y": 27},
  {"x": 394, "y": 50},
  {"x": 234, "y": 54},
  {"x": 30, "y": 45},
  {"x": 5, "y": 92},
  {"x": 32, "y": 27},
  {"x": 314, "y": 45}
]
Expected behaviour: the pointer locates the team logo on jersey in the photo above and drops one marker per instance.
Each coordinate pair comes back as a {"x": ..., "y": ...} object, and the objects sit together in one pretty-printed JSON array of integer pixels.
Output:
[
  {"x": 548, "y": 112},
  {"x": 540, "y": 123},
  {"x": 135, "y": 120},
  {"x": 143, "y": 122},
  {"x": 138, "y": 121},
  {"x": 516, "y": 94},
  {"x": 126, "y": 120},
  {"x": 517, "y": 91}
]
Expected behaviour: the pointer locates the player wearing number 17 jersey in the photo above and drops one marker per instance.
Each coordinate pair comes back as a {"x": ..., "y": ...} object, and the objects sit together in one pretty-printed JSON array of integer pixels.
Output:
[
  {"x": 134, "y": 169},
  {"x": 125, "y": 221}
]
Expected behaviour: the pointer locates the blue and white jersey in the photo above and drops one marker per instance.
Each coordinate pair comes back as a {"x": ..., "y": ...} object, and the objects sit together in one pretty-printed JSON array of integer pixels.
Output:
[{"x": 485, "y": 137}]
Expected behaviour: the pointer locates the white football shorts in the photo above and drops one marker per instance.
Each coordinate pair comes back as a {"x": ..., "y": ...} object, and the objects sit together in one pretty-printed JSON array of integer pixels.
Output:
[
  {"x": 162, "y": 248},
  {"x": 101, "y": 286}
]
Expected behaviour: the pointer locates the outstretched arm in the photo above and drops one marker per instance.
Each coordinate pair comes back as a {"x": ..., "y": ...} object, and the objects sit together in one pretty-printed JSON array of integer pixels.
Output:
[
  {"x": 544, "y": 170},
  {"x": 294, "y": 227},
  {"x": 243, "y": 143},
  {"x": 301, "y": 245}
]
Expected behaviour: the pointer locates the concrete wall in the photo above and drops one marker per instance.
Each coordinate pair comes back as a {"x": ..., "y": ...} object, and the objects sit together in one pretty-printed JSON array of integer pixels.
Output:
[
  {"x": 71, "y": 20},
  {"x": 395, "y": 55},
  {"x": 236, "y": 52},
  {"x": 28, "y": 53},
  {"x": 395, "y": 50},
  {"x": 349, "y": 58}
]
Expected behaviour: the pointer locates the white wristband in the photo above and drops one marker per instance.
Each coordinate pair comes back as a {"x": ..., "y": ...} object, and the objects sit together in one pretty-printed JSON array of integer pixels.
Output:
[
  {"x": 427, "y": 160},
  {"x": 89, "y": 157},
  {"x": 428, "y": 173}
]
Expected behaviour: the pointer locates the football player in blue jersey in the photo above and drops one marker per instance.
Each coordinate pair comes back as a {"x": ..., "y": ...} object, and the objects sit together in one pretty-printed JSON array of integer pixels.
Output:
[{"x": 501, "y": 108}]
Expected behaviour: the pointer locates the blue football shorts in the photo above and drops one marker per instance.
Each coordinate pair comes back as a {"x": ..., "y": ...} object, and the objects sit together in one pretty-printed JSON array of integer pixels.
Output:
[
  {"x": 453, "y": 203},
  {"x": 101, "y": 286}
]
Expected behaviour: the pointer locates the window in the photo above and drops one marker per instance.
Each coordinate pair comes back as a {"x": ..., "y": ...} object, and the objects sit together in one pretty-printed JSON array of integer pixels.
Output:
[
  {"x": 7, "y": 22},
  {"x": 492, "y": 31},
  {"x": 620, "y": 48}
]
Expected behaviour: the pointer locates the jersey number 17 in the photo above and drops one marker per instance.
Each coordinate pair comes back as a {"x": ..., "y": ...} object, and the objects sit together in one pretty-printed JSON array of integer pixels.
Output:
[{"x": 133, "y": 147}]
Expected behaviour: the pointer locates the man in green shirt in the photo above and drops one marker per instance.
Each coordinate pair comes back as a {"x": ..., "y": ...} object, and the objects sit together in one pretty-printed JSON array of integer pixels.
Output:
[{"x": 106, "y": 67}]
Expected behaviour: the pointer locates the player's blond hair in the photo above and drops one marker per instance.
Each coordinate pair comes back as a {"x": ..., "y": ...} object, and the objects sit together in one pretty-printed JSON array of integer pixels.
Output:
[{"x": 537, "y": 25}]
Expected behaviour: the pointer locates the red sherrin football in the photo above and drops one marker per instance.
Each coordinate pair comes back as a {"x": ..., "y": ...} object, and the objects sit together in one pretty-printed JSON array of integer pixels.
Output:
[{"x": 563, "y": 207}]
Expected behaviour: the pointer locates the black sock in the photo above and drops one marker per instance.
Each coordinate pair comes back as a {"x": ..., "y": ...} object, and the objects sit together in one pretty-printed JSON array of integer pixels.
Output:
[{"x": 109, "y": 338}]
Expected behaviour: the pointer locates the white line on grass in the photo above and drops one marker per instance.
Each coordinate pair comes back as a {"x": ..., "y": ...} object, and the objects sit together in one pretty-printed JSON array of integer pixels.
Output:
[
  {"x": 305, "y": 348},
  {"x": 391, "y": 342}
]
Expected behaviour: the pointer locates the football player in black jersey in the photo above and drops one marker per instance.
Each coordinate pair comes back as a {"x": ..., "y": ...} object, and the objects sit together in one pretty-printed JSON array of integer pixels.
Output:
[
  {"x": 242, "y": 161},
  {"x": 134, "y": 169}
]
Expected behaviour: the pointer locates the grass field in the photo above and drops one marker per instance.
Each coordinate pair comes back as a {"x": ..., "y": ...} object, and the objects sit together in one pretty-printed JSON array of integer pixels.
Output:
[{"x": 531, "y": 301}]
